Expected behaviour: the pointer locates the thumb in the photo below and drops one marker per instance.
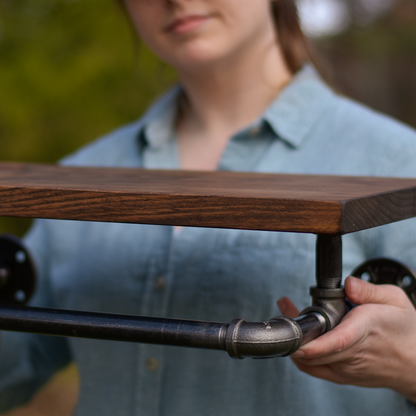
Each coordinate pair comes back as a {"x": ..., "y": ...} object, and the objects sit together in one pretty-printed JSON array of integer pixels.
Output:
[{"x": 360, "y": 292}]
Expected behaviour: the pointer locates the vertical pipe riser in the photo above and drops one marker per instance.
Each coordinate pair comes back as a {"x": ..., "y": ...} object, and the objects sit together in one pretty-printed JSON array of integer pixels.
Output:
[
  {"x": 328, "y": 261},
  {"x": 328, "y": 296}
]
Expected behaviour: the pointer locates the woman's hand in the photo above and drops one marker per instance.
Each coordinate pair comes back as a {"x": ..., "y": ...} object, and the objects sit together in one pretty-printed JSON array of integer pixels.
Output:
[{"x": 373, "y": 346}]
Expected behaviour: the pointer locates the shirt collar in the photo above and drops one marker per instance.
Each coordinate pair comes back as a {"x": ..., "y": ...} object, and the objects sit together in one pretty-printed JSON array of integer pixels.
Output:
[
  {"x": 298, "y": 107},
  {"x": 158, "y": 123},
  {"x": 291, "y": 115}
]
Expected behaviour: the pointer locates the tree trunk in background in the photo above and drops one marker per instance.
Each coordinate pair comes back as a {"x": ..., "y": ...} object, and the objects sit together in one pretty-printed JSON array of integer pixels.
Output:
[{"x": 376, "y": 64}]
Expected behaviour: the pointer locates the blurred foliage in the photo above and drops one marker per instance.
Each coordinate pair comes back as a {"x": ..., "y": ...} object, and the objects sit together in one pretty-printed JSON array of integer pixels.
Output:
[{"x": 70, "y": 71}]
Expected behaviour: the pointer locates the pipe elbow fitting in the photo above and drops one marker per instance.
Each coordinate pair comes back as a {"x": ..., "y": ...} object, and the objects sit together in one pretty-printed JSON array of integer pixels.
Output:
[
  {"x": 330, "y": 303},
  {"x": 278, "y": 337}
]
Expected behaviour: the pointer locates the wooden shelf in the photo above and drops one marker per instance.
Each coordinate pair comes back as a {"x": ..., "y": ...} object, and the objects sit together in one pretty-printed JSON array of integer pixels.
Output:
[{"x": 274, "y": 202}]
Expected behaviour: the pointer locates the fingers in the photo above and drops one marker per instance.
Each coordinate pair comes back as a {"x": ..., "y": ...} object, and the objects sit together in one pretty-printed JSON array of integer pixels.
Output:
[
  {"x": 348, "y": 333},
  {"x": 287, "y": 308},
  {"x": 360, "y": 292},
  {"x": 369, "y": 347}
]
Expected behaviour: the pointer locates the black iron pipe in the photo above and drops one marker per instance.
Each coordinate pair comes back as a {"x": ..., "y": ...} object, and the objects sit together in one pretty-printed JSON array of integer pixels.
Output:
[
  {"x": 328, "y": 296},
  {"x": 328, "y": 261},
  {"x": 312, "y": 326},
  {"x": 187, "y": 333},
  {"x": 280, "y": 336}
]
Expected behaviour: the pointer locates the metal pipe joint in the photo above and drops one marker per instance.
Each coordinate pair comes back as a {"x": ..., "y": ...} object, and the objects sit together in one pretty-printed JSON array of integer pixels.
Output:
[
  {"x": 329, "y": 303},
  {"x": 328, "y": 296},
  {"x": 278, "y": 337}
]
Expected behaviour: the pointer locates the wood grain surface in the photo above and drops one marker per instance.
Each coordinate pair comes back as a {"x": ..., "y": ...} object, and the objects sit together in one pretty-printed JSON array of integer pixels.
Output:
[{"x": 275, "y": 202}]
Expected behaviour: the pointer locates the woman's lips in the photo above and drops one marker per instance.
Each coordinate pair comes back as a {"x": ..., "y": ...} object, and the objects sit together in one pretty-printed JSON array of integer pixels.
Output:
[{"x": 186, "y": 24}]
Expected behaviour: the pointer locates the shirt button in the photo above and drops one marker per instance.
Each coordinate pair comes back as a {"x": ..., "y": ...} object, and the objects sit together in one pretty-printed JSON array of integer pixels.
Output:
[
  {"x": 152, "y": 364},
  {"x": 160, "y": 283},
  {"x": 254, "y": 131}
]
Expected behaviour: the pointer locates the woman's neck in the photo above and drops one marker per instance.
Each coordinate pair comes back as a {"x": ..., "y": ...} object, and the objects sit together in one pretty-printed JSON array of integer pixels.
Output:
[
  {"x": 223, "y": 98},
  {"x": 232, "y": 94}
]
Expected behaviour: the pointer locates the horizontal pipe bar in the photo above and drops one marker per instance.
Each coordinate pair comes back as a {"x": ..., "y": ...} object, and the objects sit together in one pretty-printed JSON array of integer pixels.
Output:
[
  {"x": 198, "y": 334},
  {"x": 280, "y": 336}
]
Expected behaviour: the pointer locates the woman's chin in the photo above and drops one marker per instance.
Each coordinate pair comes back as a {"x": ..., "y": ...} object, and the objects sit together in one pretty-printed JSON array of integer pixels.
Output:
[{"x": 198, "y": 60}]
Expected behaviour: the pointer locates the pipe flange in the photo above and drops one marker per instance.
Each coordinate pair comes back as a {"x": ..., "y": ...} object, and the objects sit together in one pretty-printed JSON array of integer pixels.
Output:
[{"x": 17, "y": 271}]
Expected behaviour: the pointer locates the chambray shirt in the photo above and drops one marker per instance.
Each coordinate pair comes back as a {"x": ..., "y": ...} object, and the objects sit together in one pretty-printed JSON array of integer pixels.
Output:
[{"x": 208, "y": 274}]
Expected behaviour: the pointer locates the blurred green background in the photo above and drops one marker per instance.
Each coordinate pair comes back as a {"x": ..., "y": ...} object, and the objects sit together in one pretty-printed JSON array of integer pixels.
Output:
[{"x": 70, "y": 71}]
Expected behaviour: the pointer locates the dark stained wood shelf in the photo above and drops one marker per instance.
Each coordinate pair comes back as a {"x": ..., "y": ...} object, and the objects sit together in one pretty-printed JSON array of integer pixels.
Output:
[{"x": 274, "y": 202}]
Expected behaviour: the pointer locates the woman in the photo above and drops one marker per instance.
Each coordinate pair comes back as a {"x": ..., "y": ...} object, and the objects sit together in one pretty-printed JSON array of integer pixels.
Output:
[{"x": 245, "y": 103}]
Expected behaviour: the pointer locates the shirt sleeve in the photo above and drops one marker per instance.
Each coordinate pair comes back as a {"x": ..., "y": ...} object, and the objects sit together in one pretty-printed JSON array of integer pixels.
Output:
[{"x": 27, "y": 361}]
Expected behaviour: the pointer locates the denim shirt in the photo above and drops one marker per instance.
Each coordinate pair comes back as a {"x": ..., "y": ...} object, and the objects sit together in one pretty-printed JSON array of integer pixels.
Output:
[{"x": 208, "y": 274}]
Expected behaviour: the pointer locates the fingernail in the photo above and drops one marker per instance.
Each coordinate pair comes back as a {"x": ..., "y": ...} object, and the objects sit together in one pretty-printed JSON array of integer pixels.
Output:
[
  {"x": 354, "y": 285},
  {"x": 298, "y": 354}
]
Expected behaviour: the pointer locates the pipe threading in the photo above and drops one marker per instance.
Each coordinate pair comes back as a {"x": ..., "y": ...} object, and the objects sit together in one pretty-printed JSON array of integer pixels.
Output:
[{"x": 328, "y": 261}]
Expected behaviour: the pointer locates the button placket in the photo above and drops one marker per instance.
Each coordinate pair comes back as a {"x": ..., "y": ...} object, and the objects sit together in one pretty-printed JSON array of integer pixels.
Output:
[
  {"x": 152, "y": 364},
  {"x": 150, "y": 357},
  {"x": 160, "y": 283},
  {"x": 254, "y": 131},
  {"x": 150, "y": 372}
]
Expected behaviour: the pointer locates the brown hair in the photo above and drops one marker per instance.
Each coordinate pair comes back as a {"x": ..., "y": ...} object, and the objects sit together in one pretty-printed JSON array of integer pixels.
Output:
[{"x": 295, "y": 47}]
